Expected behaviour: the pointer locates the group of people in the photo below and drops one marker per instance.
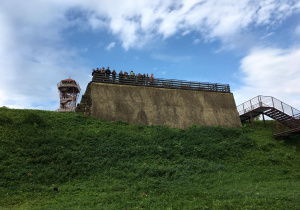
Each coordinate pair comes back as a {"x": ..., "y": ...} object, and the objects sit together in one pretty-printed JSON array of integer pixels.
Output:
[{"x": 107, "y": 73}]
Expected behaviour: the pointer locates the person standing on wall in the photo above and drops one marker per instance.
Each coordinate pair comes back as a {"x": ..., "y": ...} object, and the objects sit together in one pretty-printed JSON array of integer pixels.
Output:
[
  {"x": 102, "y": 74},
  {"x": 132, "y": 74},
  {"x": 144, "y": 79},
  {"x": 147, "y": 79},
  {"x": 107, "y": 74},
  {"x": 121, "y": 75},
  {"x": 125, "y": 75},
  {"x": 151, "y": 79},
  {"x": 114, "y": 73}
]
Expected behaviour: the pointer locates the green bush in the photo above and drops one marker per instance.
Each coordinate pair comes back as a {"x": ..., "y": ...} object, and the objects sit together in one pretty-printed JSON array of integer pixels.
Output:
[
  {"x": 4, "y": 119},
  {"x": 33, "y": 119}
]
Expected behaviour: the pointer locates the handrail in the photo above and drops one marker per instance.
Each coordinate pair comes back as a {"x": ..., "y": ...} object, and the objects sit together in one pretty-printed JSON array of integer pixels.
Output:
[
  {"x": 69, "y": 85},
  {"x": 282, "y": 129},
  {"x": 160, "y": 83},
  {"x": 267, "y": 101}
]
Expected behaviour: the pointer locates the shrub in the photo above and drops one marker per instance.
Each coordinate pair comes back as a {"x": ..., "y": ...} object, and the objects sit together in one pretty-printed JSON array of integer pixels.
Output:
[
  {"x": 33, "y": 119},
  {"x": 4, "y": 119},
  {"x": 121, "y": 123}
]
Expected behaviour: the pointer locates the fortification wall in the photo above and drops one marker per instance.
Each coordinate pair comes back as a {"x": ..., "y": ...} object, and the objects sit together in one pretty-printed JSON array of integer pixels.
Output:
[
  {"x": 160, "y": 106},
  {"x": 85, "y": 104}
]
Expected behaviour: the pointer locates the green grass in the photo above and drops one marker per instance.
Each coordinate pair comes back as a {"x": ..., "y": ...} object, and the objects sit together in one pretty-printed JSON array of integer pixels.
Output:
[{"x": 98, "y": 164}]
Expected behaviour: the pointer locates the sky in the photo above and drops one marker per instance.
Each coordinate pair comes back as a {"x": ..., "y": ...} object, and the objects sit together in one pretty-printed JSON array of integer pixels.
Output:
[{"x": 252, "y": 45}]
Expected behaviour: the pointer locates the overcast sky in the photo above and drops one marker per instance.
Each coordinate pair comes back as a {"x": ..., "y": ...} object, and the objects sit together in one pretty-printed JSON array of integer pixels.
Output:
[{"x": 253, "y": 45}]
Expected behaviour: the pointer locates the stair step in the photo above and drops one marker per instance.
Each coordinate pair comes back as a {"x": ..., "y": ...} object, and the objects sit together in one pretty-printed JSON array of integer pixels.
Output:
[{"x": 272, "y": 107}]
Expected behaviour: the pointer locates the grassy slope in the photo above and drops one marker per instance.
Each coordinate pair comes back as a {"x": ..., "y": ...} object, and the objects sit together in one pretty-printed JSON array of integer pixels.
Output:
[{"x": 99, "y": 164}]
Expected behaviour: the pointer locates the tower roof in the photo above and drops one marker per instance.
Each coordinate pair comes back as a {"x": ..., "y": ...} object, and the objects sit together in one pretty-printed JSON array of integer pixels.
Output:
[
  {"x": 68, "y": 80},
  {"x": 69, "y": 83}
]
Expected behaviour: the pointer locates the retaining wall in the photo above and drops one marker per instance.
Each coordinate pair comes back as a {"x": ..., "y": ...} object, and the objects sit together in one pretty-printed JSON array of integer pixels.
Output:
[{"x": 160, "y": 106}]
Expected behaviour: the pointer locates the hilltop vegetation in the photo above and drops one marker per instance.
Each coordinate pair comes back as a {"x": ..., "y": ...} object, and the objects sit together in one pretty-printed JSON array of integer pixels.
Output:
[{"x": 98, "y": 164}]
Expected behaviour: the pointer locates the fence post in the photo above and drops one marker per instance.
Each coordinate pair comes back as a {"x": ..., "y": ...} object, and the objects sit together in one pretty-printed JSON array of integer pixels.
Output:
[
  {"x": 259, "y": 101},
  {"x": 273, "y": 102},
  {"x": 275, "y": 115},
  {"x": 282, "y": 107},
  {"x": 275, "y": 119},
  {"x": 264, "y": 119}
]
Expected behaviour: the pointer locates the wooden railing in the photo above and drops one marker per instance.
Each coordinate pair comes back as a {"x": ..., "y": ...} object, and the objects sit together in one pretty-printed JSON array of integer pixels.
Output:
[{"x": 161, "y": 83}]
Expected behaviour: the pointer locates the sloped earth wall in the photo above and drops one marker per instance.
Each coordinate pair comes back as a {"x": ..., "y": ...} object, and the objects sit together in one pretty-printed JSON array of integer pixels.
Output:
[
  {"x": 85, "y": 104},
  {"x": 159, "y": 106}
]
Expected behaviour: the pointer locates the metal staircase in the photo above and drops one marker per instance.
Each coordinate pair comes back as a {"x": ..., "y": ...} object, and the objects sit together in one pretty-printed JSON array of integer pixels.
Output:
[{"x": 282, "y": 113}]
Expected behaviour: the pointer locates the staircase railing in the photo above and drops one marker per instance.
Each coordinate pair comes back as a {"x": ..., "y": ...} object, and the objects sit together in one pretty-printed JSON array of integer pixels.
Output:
[
  {"x": 278, "y": 129},
  {"x": 267, "y": 101}
]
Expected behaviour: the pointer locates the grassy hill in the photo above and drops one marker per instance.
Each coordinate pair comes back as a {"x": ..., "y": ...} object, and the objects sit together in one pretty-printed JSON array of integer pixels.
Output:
[{"x": 97, "y": 164}]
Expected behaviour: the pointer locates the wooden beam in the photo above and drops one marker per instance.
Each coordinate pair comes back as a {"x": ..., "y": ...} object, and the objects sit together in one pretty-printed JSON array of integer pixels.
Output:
[{"x": 264, "y": 119}]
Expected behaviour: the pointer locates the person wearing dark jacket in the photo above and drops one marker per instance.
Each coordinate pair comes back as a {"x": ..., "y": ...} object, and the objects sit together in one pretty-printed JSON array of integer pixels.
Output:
[
  {"x": 114, "y": 73},
  {"x": 121, "y": 77},
  {"x": 140, "y": 79},
  {"x": 147, "y": 79},
  {"x": 107, "y": 73},
  {"x": 144, "y": 79},
  {"x": 102, "y": 74}
]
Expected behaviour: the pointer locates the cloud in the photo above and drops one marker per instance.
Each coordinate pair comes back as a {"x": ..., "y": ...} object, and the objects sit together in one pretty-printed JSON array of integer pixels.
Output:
[
  {"x": 137, "y": 23},
  {"x": 110, "y": 46},
  {"x": 186, "y": 33},
  {"x": 163, "y": 73},
  {"x": 297, "y": 30},
  {"x": 31, "y": 82},
  {"x": 33, "y": 58},
  {"x": 196, "y": 41},
  {"x": 267, "y": 35},
  {"x": 170, "y": 58},
  {"x": 271, "y": 72},
  {"x": 97, "y": 22}
]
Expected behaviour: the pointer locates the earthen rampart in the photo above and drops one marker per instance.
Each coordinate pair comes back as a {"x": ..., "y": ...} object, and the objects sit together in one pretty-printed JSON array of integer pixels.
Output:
[{"x": 159, "y": 106}]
